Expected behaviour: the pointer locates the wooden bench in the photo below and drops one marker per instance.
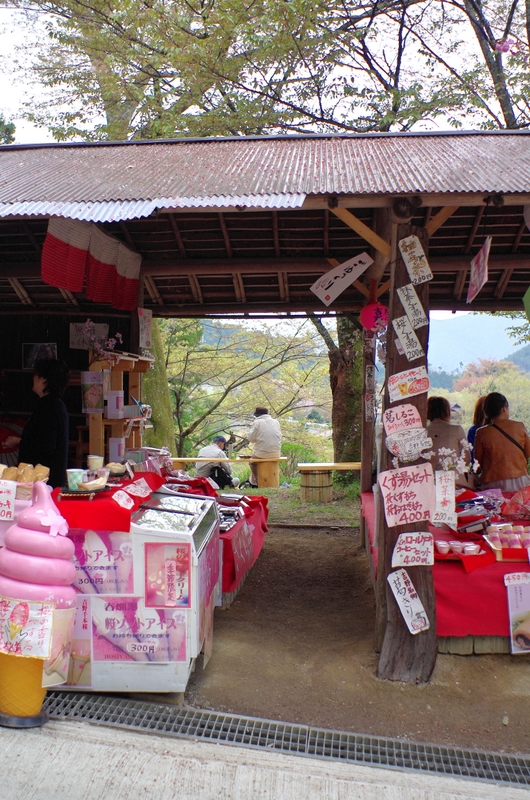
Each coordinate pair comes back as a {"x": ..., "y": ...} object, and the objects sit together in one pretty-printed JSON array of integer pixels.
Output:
[
  {"x": 316, "y": 479},
  {"x": 268, "y": 469}
]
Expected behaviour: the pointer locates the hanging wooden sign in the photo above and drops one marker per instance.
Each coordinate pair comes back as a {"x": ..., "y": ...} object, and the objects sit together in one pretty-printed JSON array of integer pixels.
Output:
[
  {"x": 412, "y": 305},
  {"x": 408, "y": 601},
  {"x": 415, "y": 260},
  {"x": 409, "y": 341}
]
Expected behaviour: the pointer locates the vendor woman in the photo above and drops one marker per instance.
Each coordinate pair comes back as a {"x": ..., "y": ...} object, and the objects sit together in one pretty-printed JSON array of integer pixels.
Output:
[
  {"x": 44, "y": 439},
  {"x": 502, "y": 447}
]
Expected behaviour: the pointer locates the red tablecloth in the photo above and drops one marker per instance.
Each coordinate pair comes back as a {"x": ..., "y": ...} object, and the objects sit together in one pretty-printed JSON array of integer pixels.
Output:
[
  {"x": 243, "y": 542},
  {"x": 467, "y": 603}
]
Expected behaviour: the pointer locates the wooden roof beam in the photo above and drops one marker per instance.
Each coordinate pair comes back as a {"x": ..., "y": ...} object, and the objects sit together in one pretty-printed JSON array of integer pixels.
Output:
[
  {"x": 518, "y": 237},
  {"x": 226, "y": 237},
  {"x": 438, "y": 220},
  {"x": 177, "y": 235},
  {"x": 21, "y": 293},
  {"x": 195, "y": 288},
  {"x": 363, "y": 230},
  {"x": 69, "y": 297},
  {"x": 276, "y": 233},
  {"x": 152, "y": 290},
  {"x": 474, "y": 229}
]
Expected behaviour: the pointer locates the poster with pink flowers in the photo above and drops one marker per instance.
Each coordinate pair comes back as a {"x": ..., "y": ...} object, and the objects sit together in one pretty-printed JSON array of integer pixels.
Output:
[{"x": 168, "y": 574}]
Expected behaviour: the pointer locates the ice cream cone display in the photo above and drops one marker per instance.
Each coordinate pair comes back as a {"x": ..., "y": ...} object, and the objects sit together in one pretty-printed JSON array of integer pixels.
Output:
[{"x": 36, "y": 573}]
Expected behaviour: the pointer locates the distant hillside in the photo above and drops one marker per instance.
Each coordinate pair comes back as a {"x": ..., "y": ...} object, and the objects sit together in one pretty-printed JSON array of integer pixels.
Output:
[{"x": 521, "y": 358}]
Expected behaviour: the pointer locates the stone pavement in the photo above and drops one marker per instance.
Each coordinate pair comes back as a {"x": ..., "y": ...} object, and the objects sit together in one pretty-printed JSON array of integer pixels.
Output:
[{"x": 79, "y": 761}]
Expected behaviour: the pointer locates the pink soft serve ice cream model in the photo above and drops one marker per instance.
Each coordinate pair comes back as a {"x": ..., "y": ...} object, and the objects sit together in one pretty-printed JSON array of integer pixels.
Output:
[{"x": 35, "y": 567}]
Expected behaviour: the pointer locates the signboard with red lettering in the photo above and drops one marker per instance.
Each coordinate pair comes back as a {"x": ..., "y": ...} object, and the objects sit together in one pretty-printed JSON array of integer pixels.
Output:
[
  {"x": 408, "y": 601},
  {"x": 408, "y": 494},
  {"x": 26, "y": 627},
  {"x": 445, "y": 509},
  {"x": 8, "y": 490},
  {"x": 408, "y": 383},
  {"x": 401, "y": 418},
  {"x": 415, "y": 260},
  {"x": 168, "y": 574}
]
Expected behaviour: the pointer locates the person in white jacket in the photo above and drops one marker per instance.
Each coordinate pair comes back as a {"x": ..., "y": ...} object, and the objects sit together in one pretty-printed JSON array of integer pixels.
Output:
[{"x": 266, "y": 436}]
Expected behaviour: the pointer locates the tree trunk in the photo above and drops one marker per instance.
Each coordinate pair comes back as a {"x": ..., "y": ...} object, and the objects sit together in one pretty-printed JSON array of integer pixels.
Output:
[
  {"x": 345, "y": 377},
  {"x": 405, "y": 657},
  {"x": 156, "y": 394}
]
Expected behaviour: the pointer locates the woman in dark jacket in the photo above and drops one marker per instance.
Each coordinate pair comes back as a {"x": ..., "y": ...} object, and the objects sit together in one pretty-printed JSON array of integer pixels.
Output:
[{"x": 44, "y": 439}]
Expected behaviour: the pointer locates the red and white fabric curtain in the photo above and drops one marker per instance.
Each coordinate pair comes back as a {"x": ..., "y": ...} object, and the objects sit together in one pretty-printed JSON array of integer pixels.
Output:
[{"x": 77, "y": 254}]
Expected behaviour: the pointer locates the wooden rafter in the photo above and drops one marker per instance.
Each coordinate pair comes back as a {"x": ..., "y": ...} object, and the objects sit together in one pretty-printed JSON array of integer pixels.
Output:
[
  {"x": 177, "y": 235},
  {"x": 474, "y": 229},
  {"x": 363, "y": 230},
  {"x": 326, "y": 232},
  {"x": 69, "y": 297},
  {"x": 438, "y": 220},
  {"x": 29, "y": 233},
  {"x": 518, "y": 237},
  {"x": 276, "y": 234},
  {"x": 226, "y": 236},
  {"x": 195, "y": 288},
  {"x": 239, "y": 287},
  {"x": 283, "y": 285},
  {"x": 21, "y": 293},
  {"x": 459, "y": 284},
  {"x": 152, "y": 290},
  {"x": 128, "y": 238}
]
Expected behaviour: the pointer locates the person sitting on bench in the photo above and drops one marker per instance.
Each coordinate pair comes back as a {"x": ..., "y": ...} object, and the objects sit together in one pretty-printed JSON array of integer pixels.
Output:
[{"x": 218, "y": 469}]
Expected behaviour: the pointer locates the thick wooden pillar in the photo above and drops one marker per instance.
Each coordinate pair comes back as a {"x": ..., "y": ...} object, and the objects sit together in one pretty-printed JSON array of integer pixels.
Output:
[{"x": 405, "y": 657}]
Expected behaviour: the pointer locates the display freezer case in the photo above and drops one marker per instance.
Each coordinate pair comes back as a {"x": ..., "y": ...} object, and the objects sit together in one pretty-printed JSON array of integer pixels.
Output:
[{"x": 147, "y": 596}]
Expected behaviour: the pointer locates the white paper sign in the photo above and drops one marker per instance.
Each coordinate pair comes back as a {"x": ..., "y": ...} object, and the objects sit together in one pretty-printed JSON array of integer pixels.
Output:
[
  {"x": 407, "y": 445},
  {"x": 445, "y": 509},
  {"x": 369, "y": 378},
  {"x": 25, "y": 627},
  {"x": 413, "y": 550},
  {"x": 8, "y": 490},
  {"x": 479, "y": 271},
  {"x": 408, "y": 494},
  {"x": 139, "y": 488},
  {"x": 412, "y": 305},
  {"x": 415, "y": 260},
  {"x": 123, "y": 499},
  {"x": 408, "y": 383},
  {"x": 408, "y": 601},
  {"x": 80, "y": 341},
  {"x": 333, "y": 283},
  {"x": 145, "y": 317},
  {"x": 409, "y": 341},
  {"x": 401, "y": 418},
  {"x": 518, "y": 591}
]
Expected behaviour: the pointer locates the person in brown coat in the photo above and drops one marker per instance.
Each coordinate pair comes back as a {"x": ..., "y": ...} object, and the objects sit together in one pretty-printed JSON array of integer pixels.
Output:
[{"x": 502, "y": 447}]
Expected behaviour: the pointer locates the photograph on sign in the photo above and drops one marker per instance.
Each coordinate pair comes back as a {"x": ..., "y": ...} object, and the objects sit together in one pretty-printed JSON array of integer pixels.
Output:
[
  {"x": 409, "y": 341},
  {"x": 412, "y": 305},
  {"x": 401, "y": 418},
  {"x": 408, "y": 601},
  {"x": 415, "y": 260},
  {"x": 408, "y": 494},
  {"x": 408, "y": 383},
  {"x": 445, "y": 508},
  {"x": 408, "y": 445},
  {"x": 518, "y": 591},
  {"x": 414, "y": 549},
  {"x": 478, "y": 275},
  {"x": 333, "y": 283}
]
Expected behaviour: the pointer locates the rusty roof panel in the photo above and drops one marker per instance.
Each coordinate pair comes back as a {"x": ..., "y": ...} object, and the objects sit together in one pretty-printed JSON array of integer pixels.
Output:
[{"x": 103, "y": 182}]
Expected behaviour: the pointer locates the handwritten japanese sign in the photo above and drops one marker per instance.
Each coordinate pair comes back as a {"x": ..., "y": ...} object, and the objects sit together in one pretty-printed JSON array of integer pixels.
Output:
[
  {"x": 408, "y": 383},
  {"x": 409, "y": 341},
  {"x": 401, "y": 418},
  {"x": 412, "y": 305},
  {"x": 81, "y": 340},
  {"x": 145, "y": 317},
  {"x": 413, "y": 550},
  {"x": 408, "y": 494},
  {"x": 408, "y": 601},
  {"x": 333, "y": 283},
  {"x": 26, "y": 627},
  {"x": 8, "y": 490},
  {"x": 518, "y": 591},
  {"x": 407, "y": 445},
  {"x": 479, "y": 271},
  {"x": 415, "y": 260},
  {"x": 445, "y": 509},
  {"x": 103, "y": 561}
]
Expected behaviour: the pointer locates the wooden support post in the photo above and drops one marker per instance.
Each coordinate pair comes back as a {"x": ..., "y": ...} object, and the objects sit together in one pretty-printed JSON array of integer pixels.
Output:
[
  {"x": 405, "y": 657},
  {"x": 368, "y": 419}
]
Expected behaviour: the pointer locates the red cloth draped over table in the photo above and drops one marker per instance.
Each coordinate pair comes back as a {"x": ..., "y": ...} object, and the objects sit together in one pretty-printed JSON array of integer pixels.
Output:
[
  {"x": 102, "y": 512},
  {"x": 243, "y": 542},
  {"x": 467, "y": 603},
  {"x": 75, "y": 251}
]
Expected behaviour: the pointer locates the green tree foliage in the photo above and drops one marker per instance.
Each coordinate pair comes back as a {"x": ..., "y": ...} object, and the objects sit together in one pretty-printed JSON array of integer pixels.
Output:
[
  {"x": 7, "y": 131},
  {"x": 217, "y": 380},
  {"x": 157, "y": 68}
]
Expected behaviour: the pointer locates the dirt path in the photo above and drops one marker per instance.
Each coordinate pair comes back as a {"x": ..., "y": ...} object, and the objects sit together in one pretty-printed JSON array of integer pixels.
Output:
[{"x": 297, "y": 645}]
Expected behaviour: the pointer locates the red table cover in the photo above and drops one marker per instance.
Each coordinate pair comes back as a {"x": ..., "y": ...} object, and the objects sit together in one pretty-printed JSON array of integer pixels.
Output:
[
  {"x": 243, "y": 542},
  {"x": 467, "y": 603}
]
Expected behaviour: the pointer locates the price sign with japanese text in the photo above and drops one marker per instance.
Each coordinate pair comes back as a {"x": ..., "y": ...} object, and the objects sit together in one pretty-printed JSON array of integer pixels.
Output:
[
  {"x": 413, "y": 549},
  {"x": 412, "y": 305},
  {"x": 409, "y": 341},
  {"x": 415, "y": 260},
  {"x": 401, "y": 418},
  {"x": 408, "y": 601},
  {"x": 408, "y": 383},
  {"x": 408, "y": 494},
  {"x": 445, "y": 509},
  {"x": 8, "y": 491},
  {"x": 26, "y": 627}
]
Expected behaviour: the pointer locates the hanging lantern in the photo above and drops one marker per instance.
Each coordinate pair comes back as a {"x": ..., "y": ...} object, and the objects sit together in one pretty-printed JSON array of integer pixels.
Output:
[{"x": 374, "y": 317}]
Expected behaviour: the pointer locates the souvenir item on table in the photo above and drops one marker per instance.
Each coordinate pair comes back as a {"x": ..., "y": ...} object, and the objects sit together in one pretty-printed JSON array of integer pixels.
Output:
[
  {"x": 36, "y": 573},
  {"x": 25, "y": 476},
  {"x": 519, "y": 505},
  {"x": 509, "y": 542}
]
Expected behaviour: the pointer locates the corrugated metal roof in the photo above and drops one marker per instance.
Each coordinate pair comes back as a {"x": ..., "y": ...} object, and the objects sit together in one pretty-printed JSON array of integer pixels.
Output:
[{"x": 124, "y": 181}]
